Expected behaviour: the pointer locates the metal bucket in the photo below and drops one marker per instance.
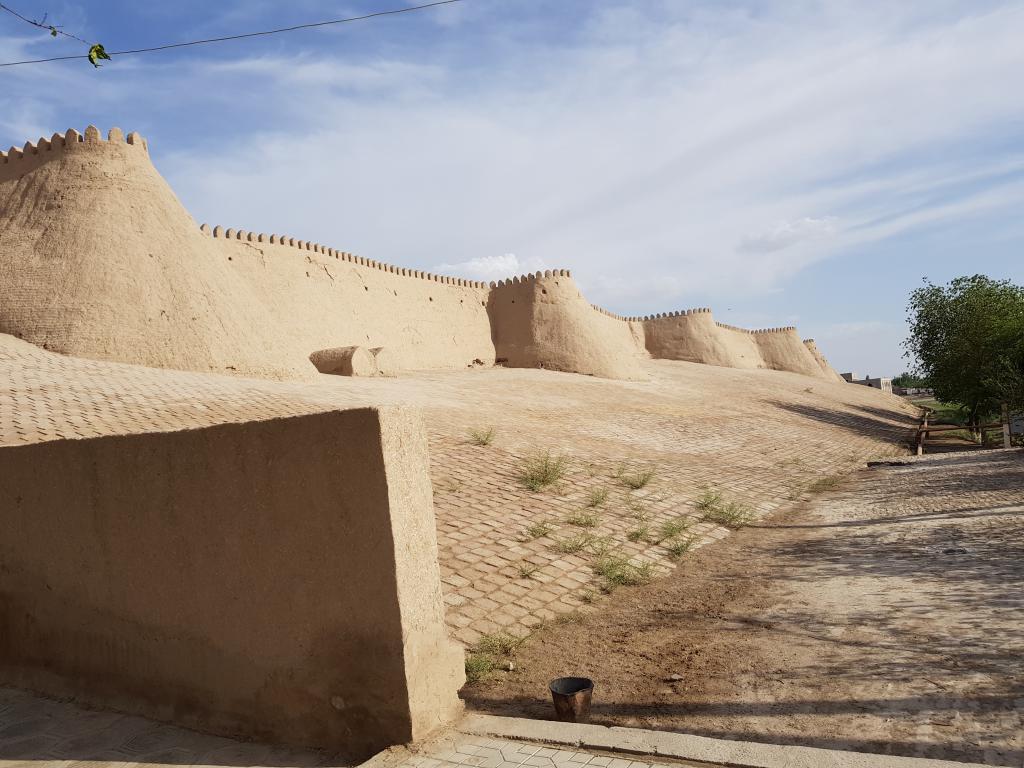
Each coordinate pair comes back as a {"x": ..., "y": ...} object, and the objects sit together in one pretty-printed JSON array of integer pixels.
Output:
[{"x": 571, "y": 697}]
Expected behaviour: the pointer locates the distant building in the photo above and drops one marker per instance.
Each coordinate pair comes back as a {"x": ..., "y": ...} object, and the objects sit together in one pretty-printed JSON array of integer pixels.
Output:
[{"x": 883, "y": 384}]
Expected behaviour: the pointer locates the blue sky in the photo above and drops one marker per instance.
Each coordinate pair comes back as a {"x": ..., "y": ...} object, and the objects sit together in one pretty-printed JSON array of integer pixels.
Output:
[{"x": 798, "y": 162}]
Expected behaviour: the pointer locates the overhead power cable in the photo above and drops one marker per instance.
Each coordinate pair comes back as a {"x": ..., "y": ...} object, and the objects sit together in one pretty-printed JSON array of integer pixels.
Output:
[
  {"x": 51, "y": 28},
  {"x": 226, "y": 38}
]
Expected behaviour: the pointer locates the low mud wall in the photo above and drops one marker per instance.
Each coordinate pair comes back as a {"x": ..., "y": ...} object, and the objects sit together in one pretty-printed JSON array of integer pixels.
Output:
[{"x": 274, "y": 580}]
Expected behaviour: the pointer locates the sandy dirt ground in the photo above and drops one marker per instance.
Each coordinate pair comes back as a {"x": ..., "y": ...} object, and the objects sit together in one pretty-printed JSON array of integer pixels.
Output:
[{"x": 885, "y": 616}]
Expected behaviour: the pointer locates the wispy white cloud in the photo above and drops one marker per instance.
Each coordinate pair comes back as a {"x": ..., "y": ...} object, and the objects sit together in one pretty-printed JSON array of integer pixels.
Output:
[
  {"x": 787, "y": 233},
  {"x": 492, "y": 267}
]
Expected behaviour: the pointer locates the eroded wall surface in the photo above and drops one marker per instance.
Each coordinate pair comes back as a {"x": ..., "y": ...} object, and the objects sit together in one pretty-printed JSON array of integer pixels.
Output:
[{"x": 275, "y": 580}]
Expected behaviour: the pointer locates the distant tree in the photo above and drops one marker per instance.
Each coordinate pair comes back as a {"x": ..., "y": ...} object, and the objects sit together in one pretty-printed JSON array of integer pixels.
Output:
[
  {"x": 909, "y": 380},
  {"x": 1008, "y": 379},
  {"x": 967, "y": 338}
]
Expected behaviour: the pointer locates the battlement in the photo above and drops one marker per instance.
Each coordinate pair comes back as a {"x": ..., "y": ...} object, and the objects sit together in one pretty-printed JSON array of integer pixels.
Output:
[
  {"x": 242, "y": 235},
  {"x": 529, "y": 278},
  {"x": 17, "y": 161},
  {"x": 670, "y": 315}
]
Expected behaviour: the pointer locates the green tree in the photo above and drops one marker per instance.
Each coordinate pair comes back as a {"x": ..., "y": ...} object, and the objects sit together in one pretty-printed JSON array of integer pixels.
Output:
[
  {"x": 907, "y": 379},
  {"x": 967, "y": 338}
]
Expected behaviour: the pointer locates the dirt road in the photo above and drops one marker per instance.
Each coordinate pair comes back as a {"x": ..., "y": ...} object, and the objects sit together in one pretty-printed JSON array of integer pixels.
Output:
[{"x": 885, "y": 616}]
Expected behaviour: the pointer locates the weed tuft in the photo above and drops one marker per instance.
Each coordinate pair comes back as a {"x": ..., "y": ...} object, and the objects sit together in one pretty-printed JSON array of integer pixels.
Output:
[
  {"x": 498, "y": 644},
  {"x": 679, "y": 548},
  {"x": 582, "y": 520},
  {"x": 527, "y": 570},
  {"x": 538, "y": 530},
  {"x": 639, "y": 533},
  {"x": 482, "y": 437},
  {"x": 618, "y": 571},
  {"x": 709, "y": 500},
  {"x": 479, "y": 666},
  {"x": 574, "y": 544},
  {"x": 637, "y": 479},
  {"x": 597, "y": 497},
  {"x": 730, "y": 514},
  {"x": 670, "y": 529},
  {"x": 543, "y": 469}
]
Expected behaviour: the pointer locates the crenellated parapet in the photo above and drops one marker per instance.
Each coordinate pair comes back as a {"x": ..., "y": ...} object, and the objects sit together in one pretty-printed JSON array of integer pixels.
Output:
[
  {"x": 529, "y": 278},
  {"x": 17, "y": 161},
  {"x": 670, "y": 315},
  {"x": 245, "y": 236}
]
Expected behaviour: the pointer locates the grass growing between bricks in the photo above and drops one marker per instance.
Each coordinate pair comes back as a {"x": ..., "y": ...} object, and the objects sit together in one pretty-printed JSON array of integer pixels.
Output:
[
  {"x": 574, "y": 544},
  {"x": 542, "y": 470},
  {"x": 670, "y": 529},
  {"x": 539, "y": 530},
  {"x": 637, "y": 479},
  {"x": 679, "y": 547},
  {"x": 583, "y": 520},
  {"x": 729, "y": 514},
  {"x": 482, "y": 436},
  {"x": 618, "y": 571}
]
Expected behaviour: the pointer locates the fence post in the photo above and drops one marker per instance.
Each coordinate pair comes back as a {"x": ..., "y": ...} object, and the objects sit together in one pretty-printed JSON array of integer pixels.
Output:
[{"x": 1006, "y": 426}]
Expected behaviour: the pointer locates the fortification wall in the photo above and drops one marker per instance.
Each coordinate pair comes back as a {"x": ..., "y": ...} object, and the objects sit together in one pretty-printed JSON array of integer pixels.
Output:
[
  {"x": 100, "y": 260},
  {"x": 543, "y": 321},
  {"x": 318, "y": 297},
  {"x": 275, "y": 580},
  {"x": 691, "y": 335},
  {"x": 826, "y": 367},
  {"x": 782, "y": 350},
  {"x": 694, "y": 336}
]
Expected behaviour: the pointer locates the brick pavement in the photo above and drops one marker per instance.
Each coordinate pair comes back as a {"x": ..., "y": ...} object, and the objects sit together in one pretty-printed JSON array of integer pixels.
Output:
[
  {"x": 37, "y": 732},
  {"x": 760, "y": 437}
]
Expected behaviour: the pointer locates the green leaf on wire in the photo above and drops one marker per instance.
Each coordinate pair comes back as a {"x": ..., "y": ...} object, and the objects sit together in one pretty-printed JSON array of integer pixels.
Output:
[
  {"x": 96, "y": 53},
  {"x": 53, "y": 31}
]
